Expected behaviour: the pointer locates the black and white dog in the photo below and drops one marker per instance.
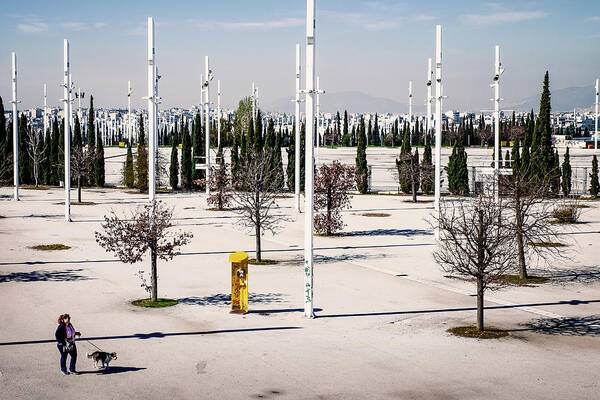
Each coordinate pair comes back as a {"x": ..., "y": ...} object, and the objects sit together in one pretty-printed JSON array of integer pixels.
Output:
[{"x": 102, "y": 357}]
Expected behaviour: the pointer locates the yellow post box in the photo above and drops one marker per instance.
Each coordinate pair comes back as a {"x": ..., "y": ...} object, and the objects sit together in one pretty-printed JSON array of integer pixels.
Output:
[
  {"x": 239, "y": 282},
  {"x": 121, "y": 144}
]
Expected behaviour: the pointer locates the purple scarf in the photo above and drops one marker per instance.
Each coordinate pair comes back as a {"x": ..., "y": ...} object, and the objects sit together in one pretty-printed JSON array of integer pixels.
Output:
[{"x": 70, "y": 333}]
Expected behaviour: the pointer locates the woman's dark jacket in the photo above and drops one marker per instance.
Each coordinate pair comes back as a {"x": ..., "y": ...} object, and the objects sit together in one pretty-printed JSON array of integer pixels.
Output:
[{"x": 61, "y": 333}]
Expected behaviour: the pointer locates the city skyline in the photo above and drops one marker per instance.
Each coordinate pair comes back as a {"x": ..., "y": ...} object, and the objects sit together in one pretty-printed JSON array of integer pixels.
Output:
[{"x": 374, "y": 47}]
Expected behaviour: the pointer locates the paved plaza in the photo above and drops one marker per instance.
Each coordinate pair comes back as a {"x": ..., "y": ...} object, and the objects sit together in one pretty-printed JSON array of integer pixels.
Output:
[{"x": 383, "y": 308}]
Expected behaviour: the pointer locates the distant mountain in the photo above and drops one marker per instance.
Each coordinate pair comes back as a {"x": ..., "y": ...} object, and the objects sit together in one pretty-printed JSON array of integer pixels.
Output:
[
  {"x": 351, "y": 101},
  {"x": 562, "y": 100}
]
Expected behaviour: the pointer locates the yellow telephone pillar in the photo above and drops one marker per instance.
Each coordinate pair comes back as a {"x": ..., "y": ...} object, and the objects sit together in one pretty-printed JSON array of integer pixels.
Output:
[{"x": 239, "y": 282}]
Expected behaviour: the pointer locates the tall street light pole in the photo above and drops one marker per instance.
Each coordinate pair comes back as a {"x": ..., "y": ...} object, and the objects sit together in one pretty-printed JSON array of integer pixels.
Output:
[{"x": 438, "y": 121}]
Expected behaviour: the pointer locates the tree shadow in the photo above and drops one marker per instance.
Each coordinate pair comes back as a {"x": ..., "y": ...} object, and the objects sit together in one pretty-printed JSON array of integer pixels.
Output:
[
  {"x": 68, "y": 275},
  {"x": 281, "y": 311},
  {"x": 585, "y": 275},
  {"x": 389, "y": 232},
  {"x": 574, "y": 326},
  {"x": 222, "y": 299},
  {"x": 112, "y": 370}
]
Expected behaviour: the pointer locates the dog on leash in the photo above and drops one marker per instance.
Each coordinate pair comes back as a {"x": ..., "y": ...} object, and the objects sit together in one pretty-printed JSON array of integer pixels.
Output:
[{"x": 102, "y": 357}]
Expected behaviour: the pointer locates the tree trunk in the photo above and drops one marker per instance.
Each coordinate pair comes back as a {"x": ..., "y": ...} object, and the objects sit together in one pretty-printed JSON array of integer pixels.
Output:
[
  {"x": 520, "y": 244},
  {"x": 154, "y": 275},
  {"x": 414, "y": 190},
  {"x": 79, "y": 189},
  {"x": 479, "y": 304},
  {"x": 257, "y": 230}
]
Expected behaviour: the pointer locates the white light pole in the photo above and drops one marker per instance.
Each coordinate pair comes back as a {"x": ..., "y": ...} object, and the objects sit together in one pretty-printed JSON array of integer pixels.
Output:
[
  {"x": 208, "y": 74},
  {"x": 15, "y": 117},
  {"x": 219, "y": 113},
  {"x": 129, "y": 111},
  {"x": 253, "y": 98},
  {"x": 67, "y": 123},
  {"x": 309, "y": 158},
  {"x": 318, "y": 116},
  {"x": 498, "y": 70},
  {"x": 151, "y": 112},
  {"x": 79, "y": 104},
  {"x": 596, "y": 120},
  {"x": 429, "y": 99},
  {"x": 45, "y": 110},
  {"x": 410, "y": 99},
  {"x": 297, "y": 139},
  {"x": 438, "y": 121}
]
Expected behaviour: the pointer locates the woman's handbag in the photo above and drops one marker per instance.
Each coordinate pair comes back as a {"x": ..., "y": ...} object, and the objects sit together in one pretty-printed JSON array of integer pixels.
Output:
[{"x": 67, "y": 347}]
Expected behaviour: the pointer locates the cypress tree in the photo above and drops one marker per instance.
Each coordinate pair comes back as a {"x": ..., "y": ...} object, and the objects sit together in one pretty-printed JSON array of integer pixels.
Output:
[
  {"x": 197, "y": 146},
  {"x": 566, "y": 174},
  {"x": 345, "y": 138},
  {"x": 141, "y": 161},
  {"x": 77, "y": 142},
  {"x": 270, "y": 138},
  {"x": 405, "y": 151},
  {"x": 555, "y": 173},
  {"x": 61, "y": 152},
  {"x": 54, "y": 153},
  {"x": 46, "y": 162},
  {"x": 594, "y": 184},
  {"x": 235, "y": 160},
  {"x": 4, "y": 151},
  {"x": 458, "y": 177},
  {"x": 99, "y": 173},
  {"x": 128, "y": 172},
  {"x": 258, "y": 133},
  {"x": 186, "y": 160},
  {"x": 24, "y": 160},
  {"x": 174, "y": 167},
  {"x": 362, "y": 169},
  {"x": 91, "y": 125},
  {"x": 376, "y": 138},
  {"x": 426, "y": 181},
  {"x": 291, "y": 164},
  {"x": 507, "y": 159},
  {"x": 278, "y": 162},
  {"x": 515, "y": 156}
]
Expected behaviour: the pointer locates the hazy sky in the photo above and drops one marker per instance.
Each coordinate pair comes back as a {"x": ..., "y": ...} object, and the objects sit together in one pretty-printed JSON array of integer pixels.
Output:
[{"x": 374, "y": 47}]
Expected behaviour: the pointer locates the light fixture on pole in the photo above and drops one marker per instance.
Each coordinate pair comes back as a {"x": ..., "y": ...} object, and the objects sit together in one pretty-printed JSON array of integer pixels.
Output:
[
  {"x": 151, "y": 113},
  {"x": 45, "y": 110},
  {"x": 209, "y": 77},
  {"x": 309, "y": 158},
  {"x": 410, "y": 118},
  {"x": 219, "y": 113},
  {"x": 596, "y": 120},
  {"x": 129, "y": 111},
  {"x": 297, "y": 146},
  {"x": 318, "y": 117},
  {"x": 498, "y": 70},
  {"x": 438, "y": 121},
  {"x": 67, "y": 130},
  {"x": 15, "y": 117},
  {"x": 429, "y": 100}
]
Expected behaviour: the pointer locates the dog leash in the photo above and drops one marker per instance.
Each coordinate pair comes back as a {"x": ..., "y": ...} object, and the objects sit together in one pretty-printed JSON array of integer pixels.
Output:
[{"x": 87, "y": 340}]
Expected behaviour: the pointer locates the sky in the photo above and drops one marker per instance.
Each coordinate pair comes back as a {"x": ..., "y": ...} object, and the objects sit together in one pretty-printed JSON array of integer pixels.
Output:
[{"x": 375, "y": 47}]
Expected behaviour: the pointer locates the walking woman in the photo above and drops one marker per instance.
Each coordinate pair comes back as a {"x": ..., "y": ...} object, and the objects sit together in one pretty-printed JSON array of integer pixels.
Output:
[{"x": 65, "y": 338}]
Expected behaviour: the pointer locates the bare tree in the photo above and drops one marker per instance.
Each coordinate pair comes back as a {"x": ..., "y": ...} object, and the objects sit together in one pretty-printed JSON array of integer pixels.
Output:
[
  {"x": 220, "y": 184},
  {"x": 485, "y": 134},
  {"x": 257, "y": 202},
  {"x": 474, "y": 242},
  {"x": 6, "y": 166},
  {"x": 148, "y": 228},
  {"x": 527, "y": 197},
  {"x": 80, "y": 163},
  {"x": 35, "y": 149},
  {"x": 409, "y": 170},
  {"x": 332, "y": 183},
  {"x": 516, "y": 132}
]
